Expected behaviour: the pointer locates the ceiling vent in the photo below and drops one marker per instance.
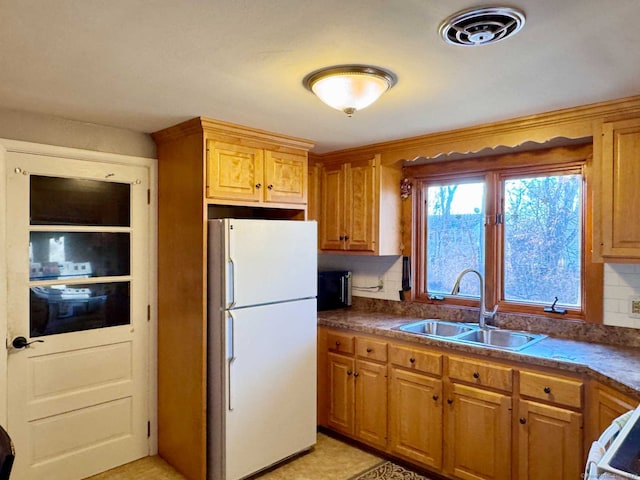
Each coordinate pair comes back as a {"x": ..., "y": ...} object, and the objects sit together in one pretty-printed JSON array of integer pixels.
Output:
[{"x": 481, "y": 26}]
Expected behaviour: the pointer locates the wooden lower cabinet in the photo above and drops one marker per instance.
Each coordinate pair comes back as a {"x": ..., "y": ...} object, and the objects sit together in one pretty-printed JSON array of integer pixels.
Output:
[
  {"x": 477, "y": 433},
  {"x": 549, "y": 442},
  {"x": 415, "y": 417},
  {"x": 357, "y": 397},
  {"x": 341, "y": 393},
  {"x": 461, "y": 416},
  {"x": 371, "y": 403}
]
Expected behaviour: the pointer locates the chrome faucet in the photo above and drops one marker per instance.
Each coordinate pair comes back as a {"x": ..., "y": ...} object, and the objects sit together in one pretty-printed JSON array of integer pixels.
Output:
[{"x": 483, "y": 314}]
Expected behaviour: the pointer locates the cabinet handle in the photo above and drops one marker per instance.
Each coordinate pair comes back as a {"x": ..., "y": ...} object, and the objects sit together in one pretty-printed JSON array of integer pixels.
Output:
[
  {"x": 369, "y": 350},
  {"x": 523, "y": 421},
  {"x": 547, "y": 389},
  {"x": 349, "y": 372},
  {"x": 346, "y": 237},
  {"x": 341, "y": 237},
  {"x": 449, "y": 401},
  {"x": 258, "y": 185},
  {"x": 270, "y": 187},
  {"x": 412, "y": 360},
  {"x": 476, "y": 375},
  {"x": 435, "y": 398},
  {"x": 356, "y": 374}
]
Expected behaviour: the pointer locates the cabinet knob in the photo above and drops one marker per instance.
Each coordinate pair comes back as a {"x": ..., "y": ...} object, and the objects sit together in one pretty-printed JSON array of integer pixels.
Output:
[
  {"x": 547, "y": 389},
  {"x": 449, "y": 401},
  {"x": 258, "y": 185},
  {"x": 412, "y": 360},
  {"x": 356, "y": 374},
  {"x": 341, "y": 237},
  {"x": 523, "y": 420},
  {"x": 349, "y": 372},
  {"x": 476, "y": 375},
  {"x": 346, "y": 237},
  {"x": 270, "y": 187},
  {"x": 369, "y": 350},
  {"x": 435, "y": 398}
]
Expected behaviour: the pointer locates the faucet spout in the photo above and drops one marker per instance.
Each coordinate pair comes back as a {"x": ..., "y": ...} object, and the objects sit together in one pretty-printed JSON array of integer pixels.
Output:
[{"x": 483, "y": 315}]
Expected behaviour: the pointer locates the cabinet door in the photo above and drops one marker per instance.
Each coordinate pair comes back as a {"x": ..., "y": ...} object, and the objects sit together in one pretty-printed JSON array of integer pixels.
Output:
[
  {"x": 550, "y": 442},
  {"x": 340, "y": 382},
  {"x": 478, "y": 436},
  {"x": 605, "y": 405},
  {"x": 234, "y": 172},
  {"x": 415, "y": 416},
  {"x": 332, "y": 208},
  {"x": 361, "y": 206},
  {"x": 285, "y": 177},
  {"x": 371, "y": 403},
  {"x": 620, "y": 195}
]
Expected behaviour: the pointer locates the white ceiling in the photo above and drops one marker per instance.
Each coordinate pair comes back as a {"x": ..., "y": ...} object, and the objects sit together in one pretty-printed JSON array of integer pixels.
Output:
[{"x": 146, "y": 65}]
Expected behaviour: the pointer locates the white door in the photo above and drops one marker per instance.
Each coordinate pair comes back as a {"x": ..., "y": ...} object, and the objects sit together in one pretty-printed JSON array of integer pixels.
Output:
[{"x": 77, "y": 288}]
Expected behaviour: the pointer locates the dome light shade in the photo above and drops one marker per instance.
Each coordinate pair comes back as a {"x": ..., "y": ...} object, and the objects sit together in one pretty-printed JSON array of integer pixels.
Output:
[{"x": 349, "y": 87}]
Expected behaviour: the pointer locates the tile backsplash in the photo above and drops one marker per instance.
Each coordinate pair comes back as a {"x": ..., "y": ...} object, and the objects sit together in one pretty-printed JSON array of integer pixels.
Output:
[{"x": 381, "y": 278}]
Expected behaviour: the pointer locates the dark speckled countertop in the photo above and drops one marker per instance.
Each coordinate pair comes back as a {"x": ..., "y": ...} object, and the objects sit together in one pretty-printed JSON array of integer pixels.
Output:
[{"x": 616, "y": 366}]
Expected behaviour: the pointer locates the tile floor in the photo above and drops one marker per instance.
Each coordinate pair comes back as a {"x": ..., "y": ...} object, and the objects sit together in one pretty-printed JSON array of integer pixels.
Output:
[{"x": 330, "y": 459}]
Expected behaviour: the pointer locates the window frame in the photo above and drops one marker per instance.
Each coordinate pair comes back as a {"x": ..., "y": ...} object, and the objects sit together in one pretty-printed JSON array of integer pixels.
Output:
[{"x": 493, "y": 171}]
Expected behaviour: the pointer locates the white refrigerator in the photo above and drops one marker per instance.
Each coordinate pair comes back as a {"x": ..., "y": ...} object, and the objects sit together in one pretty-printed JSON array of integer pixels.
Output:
[{"x": 262, "y": 329}]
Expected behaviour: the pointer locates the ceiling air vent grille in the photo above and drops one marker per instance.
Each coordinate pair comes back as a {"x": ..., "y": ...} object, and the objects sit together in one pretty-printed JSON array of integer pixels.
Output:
[{"x": 480, "y": 26}]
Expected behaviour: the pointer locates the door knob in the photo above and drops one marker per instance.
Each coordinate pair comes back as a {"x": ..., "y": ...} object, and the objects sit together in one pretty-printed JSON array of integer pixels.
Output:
[{"x": 21, "y": 342}]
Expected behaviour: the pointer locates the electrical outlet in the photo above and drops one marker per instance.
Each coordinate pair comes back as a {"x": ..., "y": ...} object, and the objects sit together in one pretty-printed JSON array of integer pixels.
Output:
[{"x": 634, "y": 307}]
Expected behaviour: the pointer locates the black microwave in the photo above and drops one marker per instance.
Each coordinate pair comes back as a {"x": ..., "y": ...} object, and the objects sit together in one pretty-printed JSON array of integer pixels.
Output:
[{"x": 334, "y": 289}]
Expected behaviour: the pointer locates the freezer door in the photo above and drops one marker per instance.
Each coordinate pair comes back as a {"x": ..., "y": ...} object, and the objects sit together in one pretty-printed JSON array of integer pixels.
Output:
[
  {"x": 271, "y": 397},
  {"x": 269, "y": 261}
]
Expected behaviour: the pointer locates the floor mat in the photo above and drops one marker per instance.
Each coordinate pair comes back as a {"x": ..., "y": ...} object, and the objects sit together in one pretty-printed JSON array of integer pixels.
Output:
[{"x": 389, "y": 471}]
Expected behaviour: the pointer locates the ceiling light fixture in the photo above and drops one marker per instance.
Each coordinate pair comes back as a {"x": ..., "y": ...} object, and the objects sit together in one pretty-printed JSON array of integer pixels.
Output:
[{"x": 349, "y": 87}]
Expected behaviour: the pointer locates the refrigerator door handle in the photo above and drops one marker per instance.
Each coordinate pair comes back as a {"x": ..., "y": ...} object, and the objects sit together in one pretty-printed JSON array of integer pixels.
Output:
[
  {"x": 231, "y": 355},
  {"x": 343, "y": 290},
  {"x": 231, "y": 281}
]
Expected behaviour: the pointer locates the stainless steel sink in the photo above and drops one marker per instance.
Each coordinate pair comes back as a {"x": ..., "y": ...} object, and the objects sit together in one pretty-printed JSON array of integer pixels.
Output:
[
  {"x": 472, "y": 334},
  {"x": 436, "y": 328},
  {"x": 506, "y": 339}
]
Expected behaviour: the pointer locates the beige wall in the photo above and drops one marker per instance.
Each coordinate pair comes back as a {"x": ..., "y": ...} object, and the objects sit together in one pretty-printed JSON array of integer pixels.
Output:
[{"x": 50, "y": 130}]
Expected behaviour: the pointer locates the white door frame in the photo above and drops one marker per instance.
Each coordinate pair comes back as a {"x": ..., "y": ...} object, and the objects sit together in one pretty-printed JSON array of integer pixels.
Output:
[{"x": 89, "y": 156}]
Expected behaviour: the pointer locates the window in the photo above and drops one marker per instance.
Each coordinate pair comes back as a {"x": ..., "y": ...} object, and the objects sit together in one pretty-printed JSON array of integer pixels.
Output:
[{"x": 521, "y": 220}]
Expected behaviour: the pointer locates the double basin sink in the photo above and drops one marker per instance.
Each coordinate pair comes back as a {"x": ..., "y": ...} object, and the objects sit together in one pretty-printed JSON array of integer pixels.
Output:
[{"x": 472, "y": 334}]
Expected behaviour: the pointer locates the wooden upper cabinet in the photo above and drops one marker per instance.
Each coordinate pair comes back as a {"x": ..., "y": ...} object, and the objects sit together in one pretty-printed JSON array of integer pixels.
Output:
[
  {"x": 617, "y": 169},
  {"x": 254, "y": 175},
  {"x": 285, "y": 177},
  {"x": 360, "y": 207},
  {"x": 234, "y": 172}
]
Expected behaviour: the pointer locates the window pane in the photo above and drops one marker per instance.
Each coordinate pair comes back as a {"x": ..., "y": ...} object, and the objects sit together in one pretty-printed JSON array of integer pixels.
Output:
[
  {"x": 542, "y": 239},
  {"x": 61, "y": 308},
  {"x": 54, "y": 255},
  {"x": 455, "y": 236},
  {"x": 72, "y": 201}
]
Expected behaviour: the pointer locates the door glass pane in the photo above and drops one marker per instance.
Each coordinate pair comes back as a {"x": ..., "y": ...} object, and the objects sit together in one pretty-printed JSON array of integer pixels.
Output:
[
  {"x": 72, "y": 201},
  {"x": 61, "y": 308},
  {"x": 58, "y": 255},
  {"x": 542, "y": 239},
  {"x": 455, "y": 236}
]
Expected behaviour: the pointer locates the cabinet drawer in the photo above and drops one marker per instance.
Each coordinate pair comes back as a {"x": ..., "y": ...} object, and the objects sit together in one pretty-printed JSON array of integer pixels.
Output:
[
  {"x": 340, "y": 342},
  {"x": 416, "y": 359},
  {"x": 479, "y": 373},
  {"x": 561, "y": 390},
  {"x": 372, "y": 349}
]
